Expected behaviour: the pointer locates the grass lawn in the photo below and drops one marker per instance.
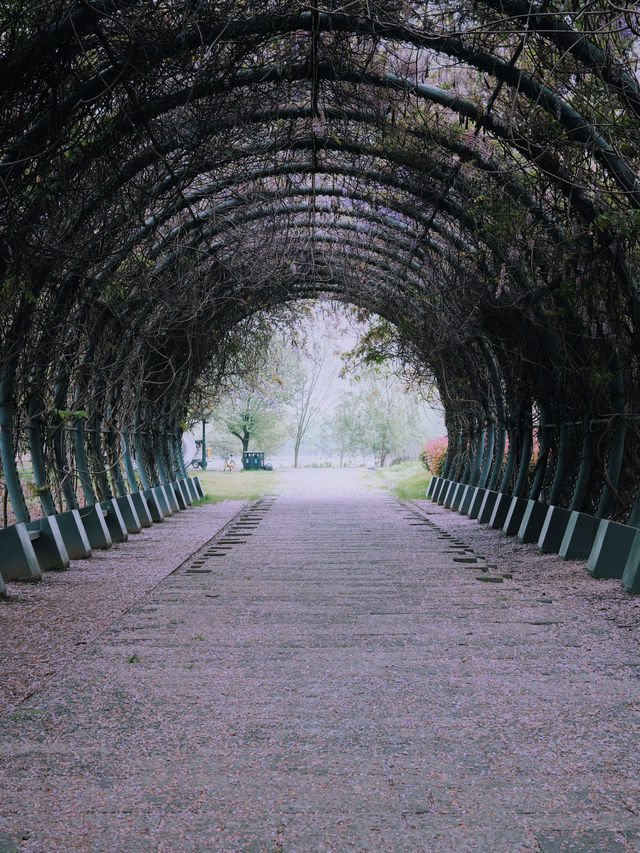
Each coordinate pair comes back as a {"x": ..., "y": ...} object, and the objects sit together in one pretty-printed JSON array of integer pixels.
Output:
[
  {"x": 236, "y": 485},
  {"x": 406, "y": 479}
]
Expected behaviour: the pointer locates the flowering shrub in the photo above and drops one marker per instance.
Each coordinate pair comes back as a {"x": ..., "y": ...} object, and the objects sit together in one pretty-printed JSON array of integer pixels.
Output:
[{"x": 433, "y": 453}]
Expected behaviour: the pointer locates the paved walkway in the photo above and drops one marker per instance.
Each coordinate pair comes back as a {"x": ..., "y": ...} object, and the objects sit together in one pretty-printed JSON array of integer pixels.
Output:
[{"x": 333, "y": 673}]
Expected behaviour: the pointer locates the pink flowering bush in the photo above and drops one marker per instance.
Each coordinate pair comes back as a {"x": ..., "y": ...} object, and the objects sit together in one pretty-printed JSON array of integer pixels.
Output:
[{"x": 433, "y": 453}]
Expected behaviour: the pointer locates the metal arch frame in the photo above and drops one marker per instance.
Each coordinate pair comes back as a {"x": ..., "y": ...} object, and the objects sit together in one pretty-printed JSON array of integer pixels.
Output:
[
  {"x": 411, "y": 213},
  {"x": 392, "y": 80},
  {"x": 574, "y": 194},
  {"x": 551, "y": 27},
  {"x": 295, "y": 168},
  {"x": 455, "y": 214},
  {"x": 509, "y": 74},
  {"x": 430, "y": 93},
  {"x": 524, "y": 458},
  {"x": 428, "y": 168},
  {"x": 245, "y": 216},
  {"x": 441, "y": 201},
  {"x": 267, "y": 298},
  {"x": 176, "y": 206},
  {"x": 145, "y": 158},
  {"x": 582, "y": 206},
  {"x": 545, "y": 25},
  {"x": 394, "y": 225},
  {"x": 396, "y": 278},
  {"x": 372, "y": 248}
]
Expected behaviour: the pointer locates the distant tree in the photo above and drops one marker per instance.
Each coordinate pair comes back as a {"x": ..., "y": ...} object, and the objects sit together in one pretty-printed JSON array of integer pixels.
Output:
[
  {"x": 380, "y": 419},
  {"x": 251, "y": 417},
  {"x": 305, "y": 405},
  {"x": 346, "y": 426},
  {"x": 249, "y": 399}
]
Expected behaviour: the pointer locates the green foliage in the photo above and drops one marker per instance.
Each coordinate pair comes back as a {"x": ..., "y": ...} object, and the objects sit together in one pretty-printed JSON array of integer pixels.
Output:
[
  {"x": 34, "y": 489},
  {"x": 26, "y": 713},
  {"x": 71, "y": 414},
  {"x": 253, "y": 420},
  {"x": 250, "y": 401},
  {"x": 236, "y": 485},
  {"x": 347, "y": 425},
  {"x": 375, "y": 347},
  {"x": 407, "y": 480},
  {"x": 381, "y": 419}
]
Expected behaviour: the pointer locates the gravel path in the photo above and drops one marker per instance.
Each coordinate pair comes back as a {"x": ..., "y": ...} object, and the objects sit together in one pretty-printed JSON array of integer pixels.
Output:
[
  {"x": 46, "y": 624},
  {"x": 339, "y": 672}
]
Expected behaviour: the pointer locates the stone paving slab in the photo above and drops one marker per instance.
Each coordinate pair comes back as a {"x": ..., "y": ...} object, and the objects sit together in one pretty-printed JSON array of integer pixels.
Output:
[{"x": 334, "y": 682}]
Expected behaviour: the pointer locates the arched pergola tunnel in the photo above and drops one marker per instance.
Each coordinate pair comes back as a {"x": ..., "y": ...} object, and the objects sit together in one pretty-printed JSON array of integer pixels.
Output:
[{"x": 467, "y": 171}]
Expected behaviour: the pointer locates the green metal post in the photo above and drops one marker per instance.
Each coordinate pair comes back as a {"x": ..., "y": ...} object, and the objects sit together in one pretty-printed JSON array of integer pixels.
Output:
[
  {"x": 452, "y": 456},
  {"x": 488, "y": 454},
  {"x": 477, "y": 463},
  {"x": 510, "y": 465},
  {"x": 11, "y": 476},
  {"x": 37, "y": 459},
  {"x": 82, "y": 463},
  {"x": 138, "y": 445},
  {"x": 128, "y": 461},
  {"x": 177, "y": 443},
  {"x": 59, "y": 443},
  {"x": 561, "y": 465},
  {"x": 466, "y": 466},
  {"x": 496, "y": 471},
  {"x": 525, "y": 458},
  {"x": 169, "y": 456},
  {"x": 97, "y": 457},
  {"x": 634, "y": 515},
  {"x": 584, "y": 470},
  {"x": 159, "y": 460},
  {"x": 616, "y": 447},
  {"x": 115, "y": 450},
  {"x": 501, "y": 417},
  {"x": 541, "y": 464}
]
